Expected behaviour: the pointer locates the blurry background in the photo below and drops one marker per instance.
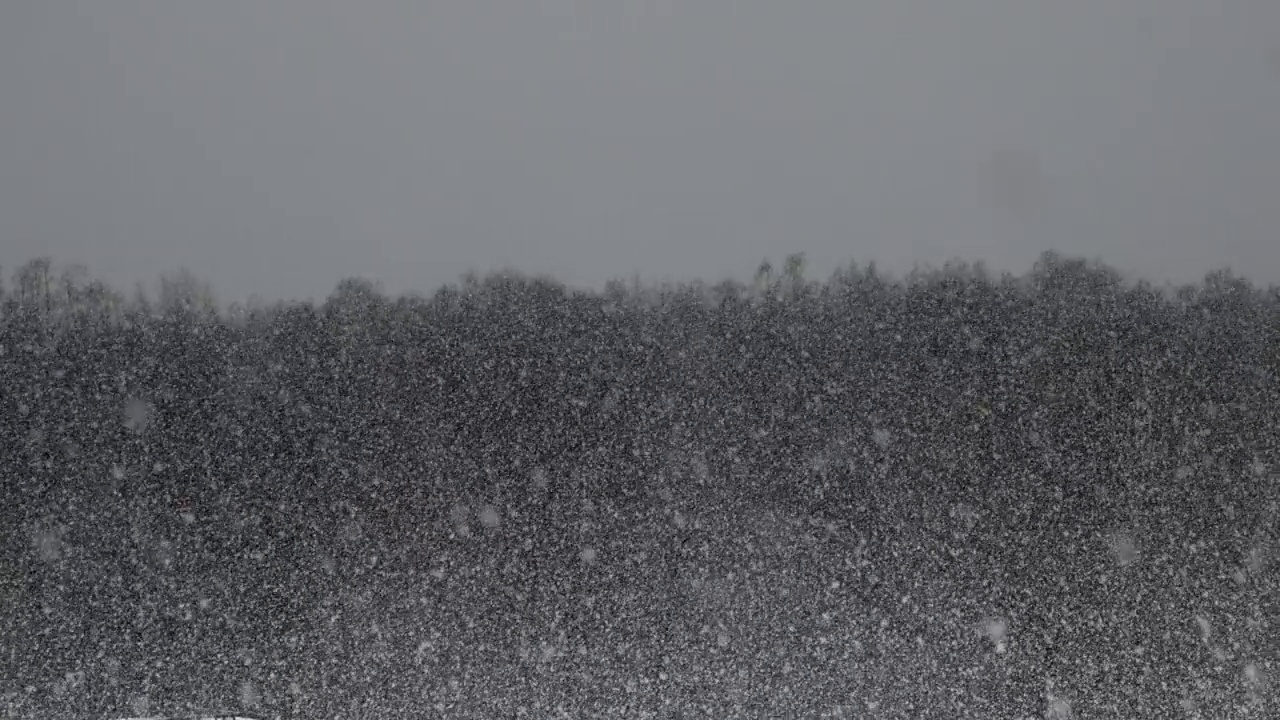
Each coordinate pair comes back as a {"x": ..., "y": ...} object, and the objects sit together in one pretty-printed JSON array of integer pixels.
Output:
[{"x": 274, "y": 148}]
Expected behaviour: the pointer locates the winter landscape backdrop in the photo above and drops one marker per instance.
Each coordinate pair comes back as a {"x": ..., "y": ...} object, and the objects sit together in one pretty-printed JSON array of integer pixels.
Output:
[{"x": 947, "y": 495}]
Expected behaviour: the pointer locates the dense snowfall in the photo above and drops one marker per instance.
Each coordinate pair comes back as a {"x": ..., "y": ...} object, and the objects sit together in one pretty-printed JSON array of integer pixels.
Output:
[{"x": 949, "y": 495}]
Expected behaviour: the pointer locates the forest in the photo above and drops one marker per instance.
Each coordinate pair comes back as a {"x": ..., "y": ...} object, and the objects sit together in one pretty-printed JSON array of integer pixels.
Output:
[{"x": 953, "y": 494}]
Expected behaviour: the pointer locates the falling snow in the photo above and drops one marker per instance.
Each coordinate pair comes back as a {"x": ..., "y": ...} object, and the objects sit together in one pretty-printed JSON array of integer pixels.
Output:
[{"x": 944, "y": 496}]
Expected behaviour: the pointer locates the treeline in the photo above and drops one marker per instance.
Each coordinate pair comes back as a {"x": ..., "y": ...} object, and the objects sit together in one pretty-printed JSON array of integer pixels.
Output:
[{"x": 787, "y": 495}]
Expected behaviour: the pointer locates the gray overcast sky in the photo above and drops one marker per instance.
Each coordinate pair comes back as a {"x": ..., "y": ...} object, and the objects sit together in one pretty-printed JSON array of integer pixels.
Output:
[{"x": 274, "y": 146}]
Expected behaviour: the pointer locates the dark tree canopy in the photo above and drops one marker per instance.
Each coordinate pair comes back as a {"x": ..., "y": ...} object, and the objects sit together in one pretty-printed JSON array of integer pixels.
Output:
[{"x": 512, "y": 492}]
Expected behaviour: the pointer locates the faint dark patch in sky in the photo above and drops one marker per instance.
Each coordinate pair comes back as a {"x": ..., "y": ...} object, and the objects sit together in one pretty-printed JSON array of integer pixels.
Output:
[{"x": 1017, "y": 182}]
